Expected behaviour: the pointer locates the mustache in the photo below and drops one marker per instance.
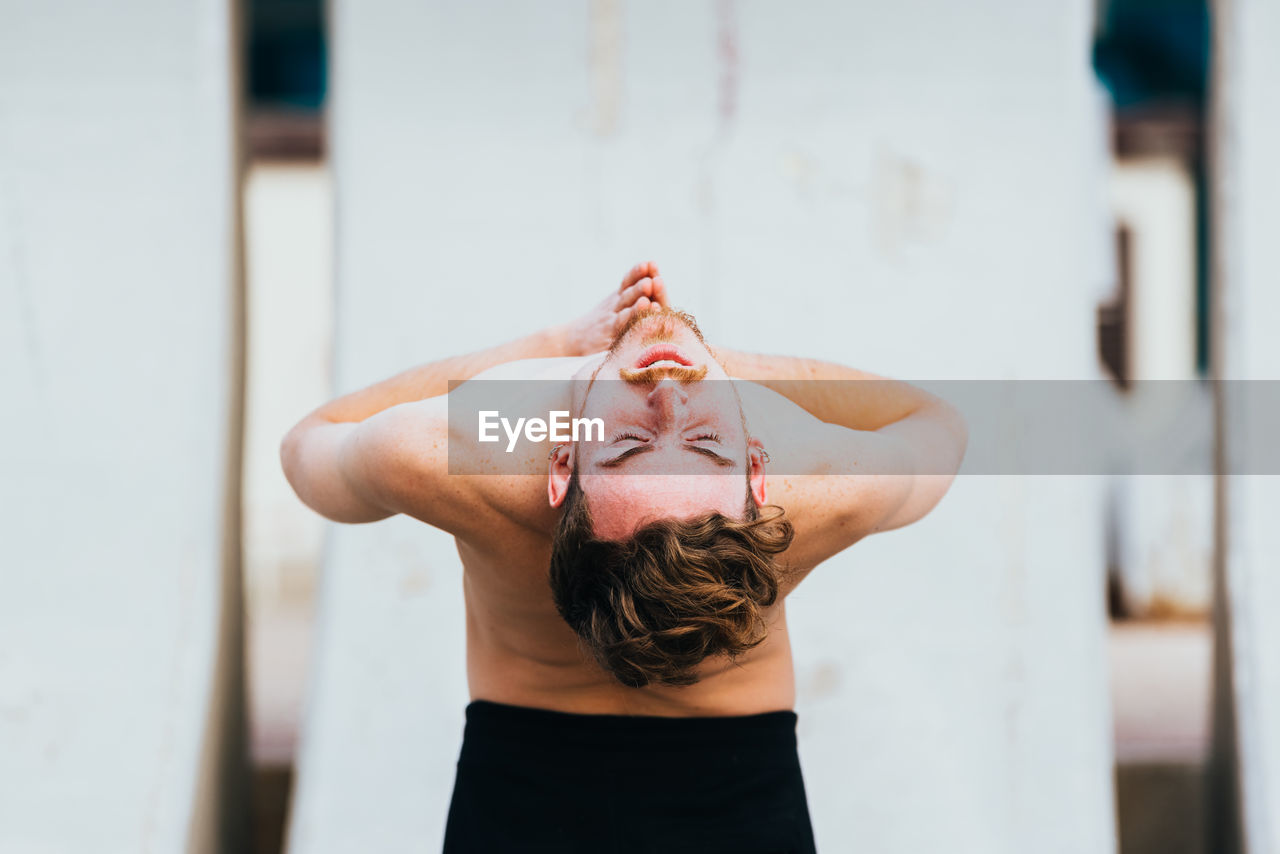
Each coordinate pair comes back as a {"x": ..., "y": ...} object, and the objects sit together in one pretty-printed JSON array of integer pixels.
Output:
[{"x": 654, "y": 374}]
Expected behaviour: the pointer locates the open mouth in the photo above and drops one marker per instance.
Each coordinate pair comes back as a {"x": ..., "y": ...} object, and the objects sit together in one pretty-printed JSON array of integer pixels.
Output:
[{"x": 661, "y": 355}]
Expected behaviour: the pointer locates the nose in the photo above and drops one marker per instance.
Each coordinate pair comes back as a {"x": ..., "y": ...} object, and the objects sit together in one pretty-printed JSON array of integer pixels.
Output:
[{"x": 668, "y": 398}]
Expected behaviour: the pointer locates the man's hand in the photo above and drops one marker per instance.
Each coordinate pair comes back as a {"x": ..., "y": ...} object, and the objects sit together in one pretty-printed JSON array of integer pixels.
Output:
[
  {"x": 641, "y": 289},
  {"x": 352, "y": 471}
]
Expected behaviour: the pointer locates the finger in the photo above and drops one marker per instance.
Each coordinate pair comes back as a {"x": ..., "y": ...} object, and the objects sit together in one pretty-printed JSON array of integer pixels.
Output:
[
  {"x": 659, "y": 294},
  {"x": 643, "y": 304},
  {"x": 633, "y": 293},
  {"x": 635, "y": 274}
]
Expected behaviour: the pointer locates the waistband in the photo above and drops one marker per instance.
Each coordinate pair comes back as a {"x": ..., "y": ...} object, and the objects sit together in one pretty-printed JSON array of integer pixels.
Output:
[{"x": 524, "y": 730}]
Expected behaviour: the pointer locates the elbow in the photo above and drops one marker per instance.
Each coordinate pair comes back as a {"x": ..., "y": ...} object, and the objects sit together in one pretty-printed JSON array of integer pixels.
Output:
[
  {"x": 290, "y": 455},
  {"x": 311, "y": 458},
  {"x": 293, "y": 450}
]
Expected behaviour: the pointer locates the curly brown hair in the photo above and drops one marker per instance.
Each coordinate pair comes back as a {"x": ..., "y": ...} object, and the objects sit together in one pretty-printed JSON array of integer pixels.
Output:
[{"x": 651, "y": 607}]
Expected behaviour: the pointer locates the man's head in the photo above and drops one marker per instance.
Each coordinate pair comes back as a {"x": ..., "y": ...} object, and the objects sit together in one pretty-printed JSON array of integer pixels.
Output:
[
  {"x": 662, "y": 557},
  {"x": 676, "y": 441}
]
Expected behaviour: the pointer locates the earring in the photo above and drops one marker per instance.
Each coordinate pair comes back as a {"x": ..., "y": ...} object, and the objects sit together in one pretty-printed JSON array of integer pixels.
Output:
[
  {"x": 555, "y": 449},
  {"x": 764, "y": 455}
]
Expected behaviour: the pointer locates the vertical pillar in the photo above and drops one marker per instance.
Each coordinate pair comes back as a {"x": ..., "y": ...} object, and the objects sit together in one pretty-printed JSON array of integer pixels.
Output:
[
  {"x": 1245, "y": 216},
  {"x": 120, "y": 357}
]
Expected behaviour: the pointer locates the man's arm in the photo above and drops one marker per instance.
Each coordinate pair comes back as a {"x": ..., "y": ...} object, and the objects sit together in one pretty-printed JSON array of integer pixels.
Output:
[
  {"x": 348, "y": 459},
  {"x": 822, "y": 389},
  {"x": 855, "y": 453}
]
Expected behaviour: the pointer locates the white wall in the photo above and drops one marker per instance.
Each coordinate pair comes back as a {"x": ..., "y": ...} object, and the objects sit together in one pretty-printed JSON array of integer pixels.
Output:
[
  {"x": 1166, "y": 522},
  {"x": 288, "y": 211},
  {"x": 1154, "y": 197},
  {"x": 117, "y": 212},
  {"x": 1247, "y": 212},
  {"x": 288, "y": 264},
  {"x": 915, "y": 188}
]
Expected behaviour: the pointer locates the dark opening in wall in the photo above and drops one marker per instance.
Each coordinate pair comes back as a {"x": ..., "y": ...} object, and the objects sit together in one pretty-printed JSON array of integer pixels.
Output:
[{"x": 287, "y": 78}]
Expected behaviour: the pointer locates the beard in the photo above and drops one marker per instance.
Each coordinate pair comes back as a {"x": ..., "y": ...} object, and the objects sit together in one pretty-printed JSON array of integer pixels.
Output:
[{"x": 659, "y": 324}]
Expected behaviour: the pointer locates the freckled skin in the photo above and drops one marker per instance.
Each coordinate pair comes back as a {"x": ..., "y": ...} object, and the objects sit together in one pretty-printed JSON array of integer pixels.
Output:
[
  {"x": 519, "y": 650},
  {"x": 844, "y": 465}
]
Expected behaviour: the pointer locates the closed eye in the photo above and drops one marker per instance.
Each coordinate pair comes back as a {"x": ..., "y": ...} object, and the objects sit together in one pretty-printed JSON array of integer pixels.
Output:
[
  {"x": 624, "y": 456},
  {"x": 622, "y": 436},
  {"x": 718, "y": 459},
  {"x": 722, "y": 461}
]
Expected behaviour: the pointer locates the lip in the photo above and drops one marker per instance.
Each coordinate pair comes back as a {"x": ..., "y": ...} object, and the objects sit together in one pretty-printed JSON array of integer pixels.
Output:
[{"x": 659, "y": 352}]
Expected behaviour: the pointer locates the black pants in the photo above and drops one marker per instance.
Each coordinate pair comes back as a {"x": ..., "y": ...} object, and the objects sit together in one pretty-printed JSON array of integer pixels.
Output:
[{"x": 532, "y": 780}]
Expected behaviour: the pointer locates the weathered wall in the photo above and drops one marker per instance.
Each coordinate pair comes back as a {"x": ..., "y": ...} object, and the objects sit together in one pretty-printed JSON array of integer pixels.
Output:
[
  {"x": 914, "y": 188},
  {"x": 1165, "y": 523},
  {"x": 119, "y": 676},
  {"x": 288, "y": 264},
  {"x": 1246, "y": 215}
]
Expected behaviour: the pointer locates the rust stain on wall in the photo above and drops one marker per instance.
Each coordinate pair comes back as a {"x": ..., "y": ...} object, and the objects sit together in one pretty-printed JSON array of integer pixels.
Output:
[
  {"x": 604, "y": 63},
  {"x": 727, "y": 41},
  {"x": 913, "y": 204}
]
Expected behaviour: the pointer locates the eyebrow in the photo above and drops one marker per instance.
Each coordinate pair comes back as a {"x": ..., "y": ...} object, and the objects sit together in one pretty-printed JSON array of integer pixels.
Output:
[{"x": 614, "y": 462}]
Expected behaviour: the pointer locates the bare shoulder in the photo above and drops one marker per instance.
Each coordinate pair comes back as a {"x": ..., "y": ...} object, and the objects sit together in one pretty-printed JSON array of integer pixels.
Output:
[
  {"x": 836, "y": 485},
  {"x": 509, "y": 475},
  {"x": 430, "y": 466}
]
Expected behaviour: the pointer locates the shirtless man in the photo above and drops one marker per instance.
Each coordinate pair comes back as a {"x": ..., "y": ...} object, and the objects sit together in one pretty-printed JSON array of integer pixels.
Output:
[{"x": 627, "y": 650}]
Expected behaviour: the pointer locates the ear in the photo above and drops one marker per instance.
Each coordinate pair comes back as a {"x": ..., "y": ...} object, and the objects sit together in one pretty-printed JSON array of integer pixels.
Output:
[
  {"x": 559, "y": 470},
  {"x": 756, "y": 457}
]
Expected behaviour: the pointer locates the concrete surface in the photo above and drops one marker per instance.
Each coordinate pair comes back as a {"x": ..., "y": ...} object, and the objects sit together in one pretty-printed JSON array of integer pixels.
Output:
[
  {"x": 1160, "y": 691},
  {"x": 1246, "y": 211},
  {"x": 289, "y": 270},
  {"x": 1162, "y": 808},
  {"x": 120, "y": 693},
  {"x": 1160, "y": 696}
]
